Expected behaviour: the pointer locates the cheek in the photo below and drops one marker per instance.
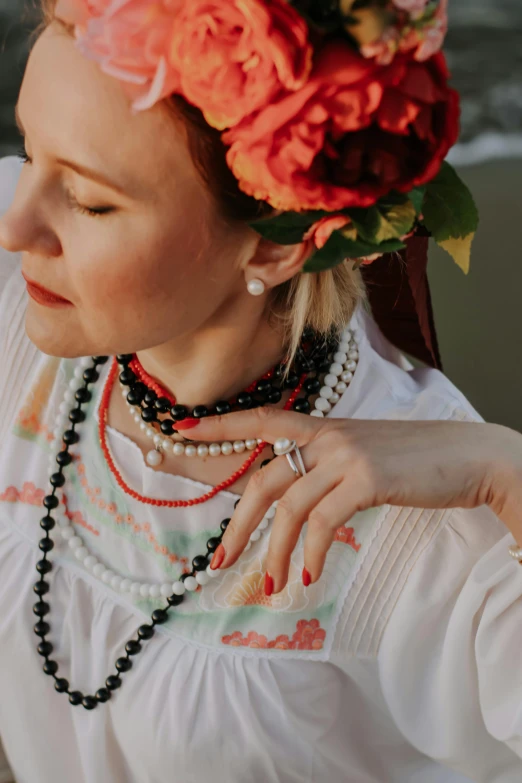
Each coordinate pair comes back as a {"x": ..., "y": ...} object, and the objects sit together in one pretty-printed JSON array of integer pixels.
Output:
[{"x": 152, "y": 282}]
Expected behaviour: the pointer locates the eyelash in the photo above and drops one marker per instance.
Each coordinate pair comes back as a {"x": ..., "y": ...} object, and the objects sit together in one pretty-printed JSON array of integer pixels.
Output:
[{"x": 90, "y": 211}]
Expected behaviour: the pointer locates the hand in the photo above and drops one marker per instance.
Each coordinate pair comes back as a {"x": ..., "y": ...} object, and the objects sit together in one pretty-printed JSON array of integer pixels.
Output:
[{"x": 354, "y": 465}]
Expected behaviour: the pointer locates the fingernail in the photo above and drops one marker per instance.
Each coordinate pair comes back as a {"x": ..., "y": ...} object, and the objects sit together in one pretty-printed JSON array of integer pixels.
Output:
[
  {"x": 306, "y": 577},
  {"x": 269, "y": 584},
  {"x": 187, "y": 424},
  {"x": 219, "y": 556}
]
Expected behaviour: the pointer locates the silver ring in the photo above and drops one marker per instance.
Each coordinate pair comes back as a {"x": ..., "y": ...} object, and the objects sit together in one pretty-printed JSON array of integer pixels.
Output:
[
  {"x": 300, "y": 462},
  {"x": 298, "y": 469},
  {"x": 283, "y": 447},
  {"x": 293, "y": 465}
]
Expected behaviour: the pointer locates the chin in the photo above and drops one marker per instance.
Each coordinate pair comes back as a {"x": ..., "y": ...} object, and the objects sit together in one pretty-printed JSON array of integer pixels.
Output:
[{"x": 52, "y": 334}]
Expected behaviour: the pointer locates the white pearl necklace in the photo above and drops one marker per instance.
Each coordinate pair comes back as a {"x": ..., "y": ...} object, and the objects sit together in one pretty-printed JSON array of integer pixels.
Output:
[
  {"x": 336, "y": 382},
  {"x": 180, "y": 448},
  {"x": 343, "y": 367},
  {"x": 341, "y": 373},
  {"x": 81, "y": 550}
]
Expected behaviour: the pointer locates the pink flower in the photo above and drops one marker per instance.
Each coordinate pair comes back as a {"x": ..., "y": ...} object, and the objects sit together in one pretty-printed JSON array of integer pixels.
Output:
[
  {"x": 131, "y": 40},
  {"x": 227, "y": 57},
  {"x": 321, "y": 231},
  {"x": 234, "y": 640},
  {"x": 30, "y": 494},
  {"x": 421, "y": 32},
  {"x": 234, "y": 56},
  {"x": 412, "y": 6},
  {"x": 254, "y": 639},
  {"x": 78, "y": 12},
  {"x": 10, "y": 495},
  {"x": 308, "y": 636},
  {"x": 346, "y": 535},
  {"x": 281, "y": 642},
  {"x": 432, "y": 36}
]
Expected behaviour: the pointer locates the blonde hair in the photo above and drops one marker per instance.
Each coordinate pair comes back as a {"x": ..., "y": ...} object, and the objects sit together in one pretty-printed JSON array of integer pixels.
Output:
[{"x": 322, "y": 301}]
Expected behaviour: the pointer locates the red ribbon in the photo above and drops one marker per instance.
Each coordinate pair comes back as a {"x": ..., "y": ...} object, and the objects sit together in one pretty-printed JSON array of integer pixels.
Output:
[{"x": 400, "y": 298}]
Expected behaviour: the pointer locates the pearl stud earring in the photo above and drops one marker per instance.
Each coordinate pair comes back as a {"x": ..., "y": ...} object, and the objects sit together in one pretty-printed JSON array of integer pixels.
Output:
[{"x": 256, "y": 287}]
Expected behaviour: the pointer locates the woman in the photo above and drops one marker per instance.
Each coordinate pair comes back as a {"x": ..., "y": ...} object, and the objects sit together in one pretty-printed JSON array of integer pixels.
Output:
[{"x": 384, "y": 649}]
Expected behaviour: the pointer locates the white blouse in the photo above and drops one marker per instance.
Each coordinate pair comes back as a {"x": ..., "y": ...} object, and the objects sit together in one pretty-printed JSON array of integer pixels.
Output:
[{"x": 401, "y": 665}]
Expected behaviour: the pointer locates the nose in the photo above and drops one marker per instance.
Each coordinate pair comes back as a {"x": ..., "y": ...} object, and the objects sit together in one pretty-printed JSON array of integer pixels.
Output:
[{"x": 25, "y": 227}]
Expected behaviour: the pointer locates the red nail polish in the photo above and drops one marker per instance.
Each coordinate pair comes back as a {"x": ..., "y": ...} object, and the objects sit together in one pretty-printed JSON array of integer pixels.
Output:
[
  {"x": 269, "y": 584},
  {"x": 187, "y": 424},
  {"x": 219, "y": 556},
  {"x": 306, "y": 577}
]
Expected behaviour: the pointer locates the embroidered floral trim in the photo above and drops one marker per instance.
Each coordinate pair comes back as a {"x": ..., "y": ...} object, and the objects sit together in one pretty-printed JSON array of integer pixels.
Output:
[
  {"x": 77, "y": 518},
  {"x": 308, "y": 636},
  {"x": 28, "y": 494},
  {"x": 33, "y": 496},
  {"x": 143, "y": 528},
  {"x": 29, "y": 422},
  {"x": 346, "y": 535}
]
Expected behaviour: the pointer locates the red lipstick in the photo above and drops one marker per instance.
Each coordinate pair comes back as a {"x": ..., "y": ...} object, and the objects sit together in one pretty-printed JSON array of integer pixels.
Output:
[{"x": 43, "y": 296}]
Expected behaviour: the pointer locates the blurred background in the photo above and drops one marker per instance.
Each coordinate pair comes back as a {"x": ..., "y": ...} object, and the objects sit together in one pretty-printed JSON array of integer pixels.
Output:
[{"x": 479, "y": 317}]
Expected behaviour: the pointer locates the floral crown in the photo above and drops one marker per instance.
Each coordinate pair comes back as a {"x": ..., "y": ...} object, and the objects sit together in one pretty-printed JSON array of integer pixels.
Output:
[{"x": 337, "y": 113}]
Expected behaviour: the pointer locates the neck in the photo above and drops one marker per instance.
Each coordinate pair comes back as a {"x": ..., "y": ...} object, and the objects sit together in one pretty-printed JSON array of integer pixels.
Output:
[{"x": 215, "y": 362}]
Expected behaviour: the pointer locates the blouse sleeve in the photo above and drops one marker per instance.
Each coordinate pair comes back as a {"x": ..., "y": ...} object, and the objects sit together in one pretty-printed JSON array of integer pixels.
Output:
[
  {"x": 450, "y": 658},
  {"x": 17, "y": 353}
]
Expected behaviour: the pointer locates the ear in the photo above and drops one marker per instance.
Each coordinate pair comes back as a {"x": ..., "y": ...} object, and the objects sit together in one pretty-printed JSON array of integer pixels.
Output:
[{"x": 275, "y": 264}]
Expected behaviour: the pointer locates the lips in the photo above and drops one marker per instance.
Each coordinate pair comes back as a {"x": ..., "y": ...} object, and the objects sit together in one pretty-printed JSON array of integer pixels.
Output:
[{"x": 42, "y": 293}]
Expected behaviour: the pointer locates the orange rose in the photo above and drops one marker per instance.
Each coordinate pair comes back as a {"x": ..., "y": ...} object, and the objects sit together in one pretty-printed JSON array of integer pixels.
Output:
[
  {"x": 355, "y": 132},
  {"x": 234, "y": 56},
  {"x": 321, "y": 231}
]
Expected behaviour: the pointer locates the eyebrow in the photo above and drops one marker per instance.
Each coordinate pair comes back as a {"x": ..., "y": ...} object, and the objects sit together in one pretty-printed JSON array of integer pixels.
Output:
[{"x": 83, "y": 171}]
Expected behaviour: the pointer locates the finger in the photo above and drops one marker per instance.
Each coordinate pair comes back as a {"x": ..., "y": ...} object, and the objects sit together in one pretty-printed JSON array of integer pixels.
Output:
[
  {"x": 264, "y": 488},
  {"x": 292, "y": 512},
  {"x": 266, "y": 423},
  {"x": 331, "y": 513}
]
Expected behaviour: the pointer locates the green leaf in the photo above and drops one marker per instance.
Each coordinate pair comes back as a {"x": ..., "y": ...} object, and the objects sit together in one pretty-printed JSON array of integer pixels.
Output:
[
  {"x": 339, "y": 248},
  {"x": 416, "y": 197},
  {"x": 390, "y": 218},
  {"x": 448, "y": 208},
  {"x": 288, "y": 228},
  {"x": 366, "y": 221}
]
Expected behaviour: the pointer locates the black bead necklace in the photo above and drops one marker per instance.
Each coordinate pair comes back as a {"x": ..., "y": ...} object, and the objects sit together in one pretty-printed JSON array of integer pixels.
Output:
[
  {"x": 42, "y": 608},
  {"x": 315, "y": 363},
  {"x": 312, "y": 358}
]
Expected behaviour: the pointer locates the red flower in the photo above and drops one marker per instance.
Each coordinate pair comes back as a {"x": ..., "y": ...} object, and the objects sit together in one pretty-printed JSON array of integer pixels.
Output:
[{"x": 356, "y": 131}]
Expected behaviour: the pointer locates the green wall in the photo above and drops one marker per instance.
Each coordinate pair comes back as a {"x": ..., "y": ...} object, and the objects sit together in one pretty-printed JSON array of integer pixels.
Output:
[{"x": 479, "y": 317}]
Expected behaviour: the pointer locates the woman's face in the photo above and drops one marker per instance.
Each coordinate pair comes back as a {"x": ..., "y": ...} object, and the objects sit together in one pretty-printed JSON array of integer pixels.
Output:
[{"x": 111, "y": 215}]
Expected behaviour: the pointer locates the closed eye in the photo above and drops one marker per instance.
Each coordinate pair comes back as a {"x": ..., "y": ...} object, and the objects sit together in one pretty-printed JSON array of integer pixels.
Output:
[{"x": 85, "y": 210}]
